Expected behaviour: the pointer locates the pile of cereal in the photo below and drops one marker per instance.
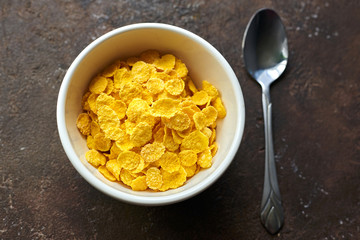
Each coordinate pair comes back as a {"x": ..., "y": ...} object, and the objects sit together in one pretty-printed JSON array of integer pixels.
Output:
[{"x": 147, "y": 125}]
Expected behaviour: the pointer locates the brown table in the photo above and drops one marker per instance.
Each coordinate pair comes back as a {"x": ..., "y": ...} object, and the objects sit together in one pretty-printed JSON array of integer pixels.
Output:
[{"x": 316, "y": 120}]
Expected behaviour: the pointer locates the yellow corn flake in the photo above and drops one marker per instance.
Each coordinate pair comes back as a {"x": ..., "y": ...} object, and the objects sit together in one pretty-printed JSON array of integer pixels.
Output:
[
  {"x": 191, "y": 170},
  {"x": 141, "y": 72},
  {"x": 129, "y": 91},
  {"x": 159, "y": 135},
  {"x": 129, "y": 126},
  {"x": 174, "y": 179},
  {"x": 98, "y": 85},
  {"x": 129, "y": 160},
  {"x": 175, "y": 86},
  {"x": 188, "y": 157},
  {"x": 105, "y": 172},
  {"x": 93, "y": 116},
  {"x": 207, "y": 131},
  {"x": 90, "y": 142},
  {"x": 170, "y": 162},
  {"x": 180, "y": 68},
  {"x": 196, "y": 141},
  {"x": 205, "y": 158},
  {"x": 166, "y": 62},
  {"x": 155, "y": 85},
  {"x": 140, "y": 167},
  {"x": 161, "y": 75},
  {"x": 213, "y": 136},
  {"x": 83, "y": 123},
  {"x": 92, "y": 102},
  {"x": 102, "y": 143},
  {"x": 84, "y": 102},
  {"x": 192, "y": 86},
  {"x": 152, "y": 152},
  {"x": 184, "y": 133},
  {"x": 141, "y": 135},
  {"x": 110, "y": 123},
  {"x": 146, "y": 117},
  {"x": 131, "y": 61},
  {"x": 210, "y": 89},
  {"x": 168, "y": 141},
  {"x": 94, "y": 128},
  {"x": 95, "y": 158},
  {"x": 214, "y": 148},
  {"x": 110, "y": 70},
  {"x": 126, "y": 177},
  {"x": 110, "y": 87},
  {"x": 114, "y": 168},
  {"x": 219, "y": 106},
  {"x": 199, "y": 120},
  {"x": 104, "y": 99},
  {"x": 154, "y": 178},
  {"x": 165, "y": 107},
  {"x": 179, "y": 122},
  {"x": 120, "y": 108},
  {"x": 149, "y": 56},
  {"x": 189, "y": 111},
  {"x": 121, "y": 77},
  {"x": 165, "y": 94},
  {"x": 200, "y": 98},
  {"x": 139, "y": 184},
  {"x": 125, "y": 144},
  {"x": 114, "y": 151},
  {"x": 211, "y": 115},
  {"x": 136, "y": 108},
  {"x": 176, "y": 137}
]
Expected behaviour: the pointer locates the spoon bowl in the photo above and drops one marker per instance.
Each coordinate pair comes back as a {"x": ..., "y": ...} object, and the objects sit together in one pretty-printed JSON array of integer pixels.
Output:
[{"x": 265, "y": 53}]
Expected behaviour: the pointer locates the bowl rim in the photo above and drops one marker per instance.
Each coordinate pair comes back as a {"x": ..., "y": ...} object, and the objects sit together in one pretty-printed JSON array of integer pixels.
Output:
[{"x": 148, "y": 200}]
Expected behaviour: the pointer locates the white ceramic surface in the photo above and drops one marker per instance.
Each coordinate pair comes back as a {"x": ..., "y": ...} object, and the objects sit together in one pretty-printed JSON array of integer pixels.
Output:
[{"x": 204, "y": 63}]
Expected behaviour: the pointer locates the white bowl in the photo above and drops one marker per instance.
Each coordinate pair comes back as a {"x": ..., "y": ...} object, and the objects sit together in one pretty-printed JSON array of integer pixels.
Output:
[{"x": 204, "y": 63}]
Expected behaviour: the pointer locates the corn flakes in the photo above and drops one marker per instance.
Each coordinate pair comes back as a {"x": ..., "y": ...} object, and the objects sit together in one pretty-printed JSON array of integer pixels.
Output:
[
  {"x": 165, "y": 107},
  {"x": 105, "y": 172},
  {"x": 179, "y": 122},
  {"x": 196, "y": 141},
  {"x": 210, "y": 89},
  {"x": 146, "y": 123},
  {"x": 101, "y": 142},
  {"x": 141, "y": 135},
  {"x": 175, "y": 86},
  {"x": 83, "y": 123},
  {"x": 170, "y": 162},
  {"x": 110, "y": 123},
  {"x": 154, "y": 178},
  {"x": 114, "y": 168},
  {"x": 98, "y": 84},
  {"x": 149, "y": 56},
  {"x": 219, "y": 106},
  {"x": 129, "y": 160},
  {"x": 155, "y": 85},
  {"x": 205, "y": 158},
  {"x": 166, "y": 62},
  {"x": 200, "y": 98},
  {"x": 139, "y": 184},
  {"x": 95, "y": 158},
  {"x": 188, "y": 157},
  {"x": 141, "y": 72},
  {"x": 153, "y": 151},
  {"x": 174, "y": 179}
]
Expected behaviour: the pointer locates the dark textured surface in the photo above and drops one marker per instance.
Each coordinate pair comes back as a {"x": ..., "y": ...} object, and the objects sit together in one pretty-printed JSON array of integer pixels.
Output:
[{"x": 316, "y": 118}]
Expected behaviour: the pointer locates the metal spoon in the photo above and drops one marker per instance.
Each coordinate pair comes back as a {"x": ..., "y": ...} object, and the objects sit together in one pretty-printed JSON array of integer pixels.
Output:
[{"x": 265, "y": 53}]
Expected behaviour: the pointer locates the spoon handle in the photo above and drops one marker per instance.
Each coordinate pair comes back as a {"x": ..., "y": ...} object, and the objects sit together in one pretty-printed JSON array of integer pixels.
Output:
[{"x": 272, "y": 216}]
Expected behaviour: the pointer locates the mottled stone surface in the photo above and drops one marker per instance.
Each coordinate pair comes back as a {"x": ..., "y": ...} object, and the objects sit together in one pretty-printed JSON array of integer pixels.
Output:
[{"x": 316, "y": 118}]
